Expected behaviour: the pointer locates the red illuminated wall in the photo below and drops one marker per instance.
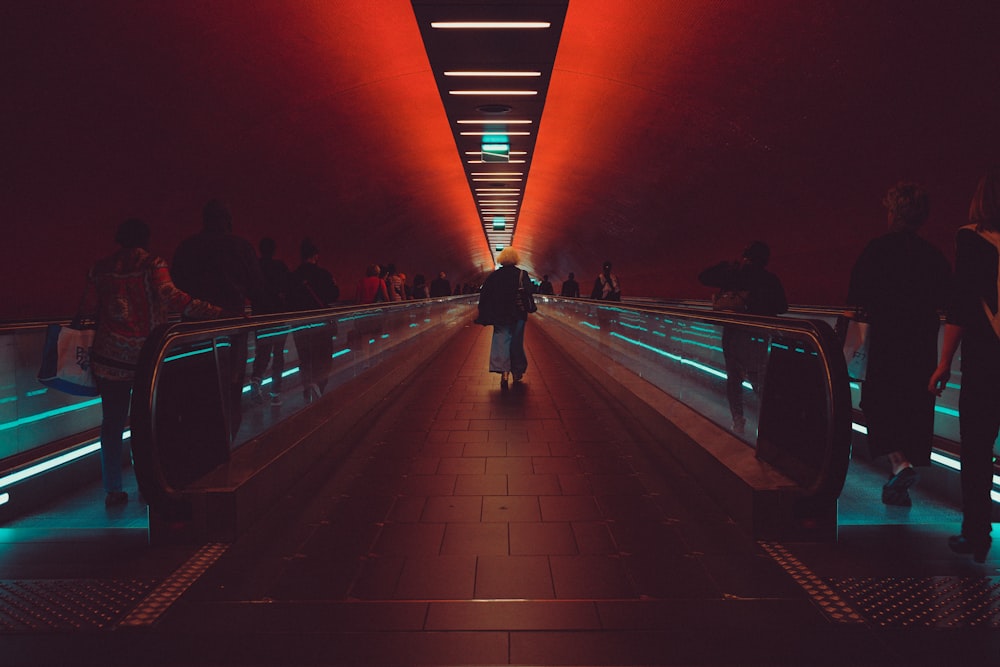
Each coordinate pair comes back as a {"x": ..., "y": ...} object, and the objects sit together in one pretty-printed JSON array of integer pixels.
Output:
[{"x": 674, "y": 132}]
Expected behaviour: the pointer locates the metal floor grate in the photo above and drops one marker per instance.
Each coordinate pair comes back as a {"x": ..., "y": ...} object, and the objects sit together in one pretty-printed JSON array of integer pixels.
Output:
[
  {"x": 924, "y": 602},
  {"x": 67, "y": 604}
]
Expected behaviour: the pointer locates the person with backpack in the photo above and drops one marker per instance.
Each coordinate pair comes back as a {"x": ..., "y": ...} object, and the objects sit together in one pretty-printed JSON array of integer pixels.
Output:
[
  {"x": 505, "y": 302},
  {"x": 607, "y": 287}
]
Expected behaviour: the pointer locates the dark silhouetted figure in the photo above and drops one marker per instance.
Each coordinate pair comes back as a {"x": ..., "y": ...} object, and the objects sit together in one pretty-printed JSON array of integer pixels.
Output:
[
  {"x": 900, "y": 282},
  {"x": 129, "y": 294},
  {"x": 220, "y": 267},
  {"x": 745, "y": 286},
  {"x": 974, "y": 322},
  {"x": 545, "y": 287},
  {"x": 270, "y": 347},
  {"x": 497, "y": 307},
  {"x": 570, "y": 287},
  {"x": 440, "y": 286},
  {"x": 420, "y": 288},
  {"x": 607, "y": 287},
  {"x": 313, "y": 288}
]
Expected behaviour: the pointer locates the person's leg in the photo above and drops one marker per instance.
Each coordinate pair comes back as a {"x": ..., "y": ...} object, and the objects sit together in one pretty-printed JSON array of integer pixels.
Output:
[
  {"x": 277, "y": 362},
  {"x": 500, "y": 348},
  {"x": 115, "y": 400},
  {"x": 979, "y": 422},
  {"x": 735, "y": 375},
  {"x": 518, "y": 359}
]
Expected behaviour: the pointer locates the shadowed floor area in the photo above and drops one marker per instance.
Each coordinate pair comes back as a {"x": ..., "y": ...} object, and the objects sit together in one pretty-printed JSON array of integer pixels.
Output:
[{"x": 537, "y": 525}]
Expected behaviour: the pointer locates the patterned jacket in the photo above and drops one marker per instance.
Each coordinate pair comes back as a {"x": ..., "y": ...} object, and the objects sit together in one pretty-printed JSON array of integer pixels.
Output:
[{"x": 129, "y": 294}]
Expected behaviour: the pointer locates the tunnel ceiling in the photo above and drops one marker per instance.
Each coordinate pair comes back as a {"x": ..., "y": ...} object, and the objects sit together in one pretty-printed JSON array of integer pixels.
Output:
[{"x": 664, "y": 135}]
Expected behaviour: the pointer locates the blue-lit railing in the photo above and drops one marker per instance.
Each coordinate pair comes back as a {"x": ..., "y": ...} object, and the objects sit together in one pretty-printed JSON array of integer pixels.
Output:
[
  {"x": 946, "y": 451},
  {"x": 795, "y": 395},
  {"x": 193, "y": 405}
]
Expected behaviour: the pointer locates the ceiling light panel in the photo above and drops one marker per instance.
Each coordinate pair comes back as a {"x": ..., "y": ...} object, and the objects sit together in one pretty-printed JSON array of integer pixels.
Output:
[{"x": 492, "y": 63}]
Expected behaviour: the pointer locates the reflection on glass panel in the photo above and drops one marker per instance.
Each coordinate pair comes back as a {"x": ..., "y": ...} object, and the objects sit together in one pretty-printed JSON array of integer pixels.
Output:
[
  {"x": 31, "y": 414},
  {"x": 767, "y": 386},
  {"x": 216, "y": 391}
]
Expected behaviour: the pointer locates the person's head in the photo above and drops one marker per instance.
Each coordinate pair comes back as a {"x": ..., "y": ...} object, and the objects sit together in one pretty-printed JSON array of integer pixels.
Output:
[
  {"x": 984, "y": 211},
  {"x": 133, "y": 233},
  {"x": 215, "y": 217},
  {"x": 508, "y": 257},
  {"x": 606, "y": 267},
  {"x": 572, "y": 276},
  {"x": 419, "y": 279},
  {"x": 372, "y": 271},
  {"x": 267, "y": 247},
  {"x": 308, "y": 250},
  {"x": 545, "y": 277},
  {"x": 908, "y": 206},
  {"x": 441, "y": 275},
  {"x": 757, "y": 253}
]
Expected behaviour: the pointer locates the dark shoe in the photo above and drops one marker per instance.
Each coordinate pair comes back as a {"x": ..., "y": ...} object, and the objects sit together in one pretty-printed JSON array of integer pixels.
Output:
[
  {"x": 897, "y": 497},
  {"x": 895, "y": 490},
  {"x": 115, "y": 498},
  {"x": 503, "y": 380},
  {"x": 960, "y": 544}
]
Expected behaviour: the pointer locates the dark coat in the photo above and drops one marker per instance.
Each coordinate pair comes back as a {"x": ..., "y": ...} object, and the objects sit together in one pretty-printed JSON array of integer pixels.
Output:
[
  {"x": 312, "y": 287},
  {"x": 496, "y": 299},
  {"x": 900, "y": 281}
]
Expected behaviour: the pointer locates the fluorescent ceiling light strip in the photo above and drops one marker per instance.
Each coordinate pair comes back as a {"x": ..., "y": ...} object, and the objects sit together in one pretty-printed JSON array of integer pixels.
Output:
[
  {"x": 493, "y": 92},
  {"x": 490, "y": 25},
  {"x": 494, "y": 73},
  {"x": 494, "y": 122},
  {"x": 487, "y": 134},
  {"x": 498, "y": 180},
  {"x": 498, "y": 173},
  {"x": 505, "y": 191}
]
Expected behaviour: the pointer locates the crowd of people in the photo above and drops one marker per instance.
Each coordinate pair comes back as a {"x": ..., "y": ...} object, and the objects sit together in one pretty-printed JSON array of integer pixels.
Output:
[{"x": 899, "y": 285}]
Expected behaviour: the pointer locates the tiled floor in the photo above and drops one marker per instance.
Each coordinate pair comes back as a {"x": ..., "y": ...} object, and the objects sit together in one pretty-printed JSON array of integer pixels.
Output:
[{"x": 530, "y": 526}]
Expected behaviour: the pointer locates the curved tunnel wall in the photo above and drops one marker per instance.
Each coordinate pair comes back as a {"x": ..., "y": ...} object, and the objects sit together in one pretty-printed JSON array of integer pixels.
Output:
[{"x": 673, "y": 133}]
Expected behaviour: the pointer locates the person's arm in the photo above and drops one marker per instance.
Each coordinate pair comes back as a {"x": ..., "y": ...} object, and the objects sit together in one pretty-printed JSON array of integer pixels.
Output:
[{"x": 949, "y": 345}]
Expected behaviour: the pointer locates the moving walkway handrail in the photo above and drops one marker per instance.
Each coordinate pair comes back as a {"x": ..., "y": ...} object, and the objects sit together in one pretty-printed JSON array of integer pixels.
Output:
[
  {"x": 181, "y": 432},
  {"x": 831, "y": 456}
]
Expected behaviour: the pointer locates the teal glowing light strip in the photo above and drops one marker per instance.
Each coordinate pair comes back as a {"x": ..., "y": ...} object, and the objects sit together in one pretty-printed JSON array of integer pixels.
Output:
[
  {"x": 695, "y": 343},
  {"x": 939, "y": 458},
  {"x": 182, "y": 355},
  {"x": 49, "y": 413},
  {"x": 54, "y": 462}
]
